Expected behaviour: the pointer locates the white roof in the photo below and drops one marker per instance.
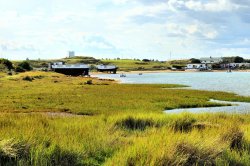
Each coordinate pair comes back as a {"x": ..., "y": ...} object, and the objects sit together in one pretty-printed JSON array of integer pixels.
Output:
[
  {"x": 70, "y": 66},
  {"x": 106, "y": 67},
  {"x": 210, "y": 58}
]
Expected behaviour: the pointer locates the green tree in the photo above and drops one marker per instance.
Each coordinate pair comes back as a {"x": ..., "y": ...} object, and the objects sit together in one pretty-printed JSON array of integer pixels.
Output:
[
  {"x": 193, "y": 60},
  {"x": 24, "y": 66},
  {"x": 8, "y": 64},
  {"x": 238, "y": 59}
]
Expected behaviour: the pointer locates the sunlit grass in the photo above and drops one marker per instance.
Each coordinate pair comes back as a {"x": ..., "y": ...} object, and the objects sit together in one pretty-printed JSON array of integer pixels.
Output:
[
  {"x": 50, "y": 92},
  {"x": 131, "y": 65},
  {"x": 106, "y": 123}
]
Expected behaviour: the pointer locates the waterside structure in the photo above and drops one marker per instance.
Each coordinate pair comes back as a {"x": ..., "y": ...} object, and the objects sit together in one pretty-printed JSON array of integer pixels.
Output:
[
  {"x": 70, "y": 69},
  {"x": 215, "y": 63},
  {"x": 107, "y": 68}
]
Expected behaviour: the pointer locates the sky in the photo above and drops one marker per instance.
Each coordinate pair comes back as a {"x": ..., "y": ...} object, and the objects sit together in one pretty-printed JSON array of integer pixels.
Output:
[{"x": 153, "y": 29}]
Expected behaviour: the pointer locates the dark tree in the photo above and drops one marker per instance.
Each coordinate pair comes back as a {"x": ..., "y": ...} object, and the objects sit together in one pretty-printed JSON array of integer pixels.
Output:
[
  {"x": 25, "y": 65},
  {"x": 146, "y": 60},
  {"x": 238, "y": 59},
  {"x": 7, "y": 63},
  {"x": 193, "y": 60}
]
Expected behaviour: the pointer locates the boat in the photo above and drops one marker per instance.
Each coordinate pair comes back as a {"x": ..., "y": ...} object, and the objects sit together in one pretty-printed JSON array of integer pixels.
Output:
[
  {"x": 123, "y": 75},
  {"x": 229, "y": 69},
  {"x": 140, "y": 74}
]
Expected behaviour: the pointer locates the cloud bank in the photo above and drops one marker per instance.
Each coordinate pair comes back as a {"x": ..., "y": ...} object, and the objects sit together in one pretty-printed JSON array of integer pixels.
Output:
[{"x": 124, "y": 28}]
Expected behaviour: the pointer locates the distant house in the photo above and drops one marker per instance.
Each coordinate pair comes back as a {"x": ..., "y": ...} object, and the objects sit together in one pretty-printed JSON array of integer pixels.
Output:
[
  {"x": 211, "y": 60},
  {"x": 198, "y": 66},
  {"x": 235, "y": 65},
  {"x": 70, "y": 69},
  {"x": 107, "y": 68},
  {"x": 206, "y": 63}
]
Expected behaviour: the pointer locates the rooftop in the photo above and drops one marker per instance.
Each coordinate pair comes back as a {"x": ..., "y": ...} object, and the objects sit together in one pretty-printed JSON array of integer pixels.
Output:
[
  {"x": 71, "y": 66},
  {"x": 106, "y": 67},
  {"x": 211, "y": 58}
]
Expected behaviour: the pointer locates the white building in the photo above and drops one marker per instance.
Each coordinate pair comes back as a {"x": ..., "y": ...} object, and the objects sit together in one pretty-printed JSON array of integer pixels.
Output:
[
  {"x": 211, "y": 60},
  {"x": 198, "y": 66},
  {"x": 236, "y": 65},
  {"x": 71, "y": 54}
]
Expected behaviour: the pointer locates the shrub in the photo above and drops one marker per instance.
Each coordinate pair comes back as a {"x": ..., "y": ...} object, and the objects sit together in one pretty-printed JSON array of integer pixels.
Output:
[
  {"x": 8, "y": 64},
  {"x": 192, "y": 154},
  {"x": 19, "y": 69},
  {"x": 146, "y": 60},
  {"x": 183, "y": 124},
  {"x": 28, "y": 78},
  {"x": 89, "y": 82},
  {"x": 235, "y": 137},
  {"x": 38, "y": 77},
  {"x": 131, "y": 123},
  {"x": 9, "y": 73},
  {"x": 193, "y": 60},
  {"x": 12, "y": 150},
  {"x": 25, "y": 65}
]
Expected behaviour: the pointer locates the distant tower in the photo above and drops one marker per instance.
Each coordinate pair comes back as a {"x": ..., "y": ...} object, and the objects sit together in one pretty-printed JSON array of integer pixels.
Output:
[{"x": 71, "y": 54}]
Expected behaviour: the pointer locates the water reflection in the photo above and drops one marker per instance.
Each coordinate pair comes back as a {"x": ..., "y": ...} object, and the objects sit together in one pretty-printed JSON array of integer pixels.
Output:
[{"x": 237, "y": 107}]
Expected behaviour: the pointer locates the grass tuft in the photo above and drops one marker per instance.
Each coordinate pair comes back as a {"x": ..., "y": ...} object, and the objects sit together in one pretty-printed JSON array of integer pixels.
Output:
[
  {"x": 184, "y": 123},
  {"x": 28, "y": 78},
  {"x": 196, "y": 154},
  {"x": 235, "y": 137},
  {"x": 131, "y": 123},
  {"x": 12, "y": 150}
]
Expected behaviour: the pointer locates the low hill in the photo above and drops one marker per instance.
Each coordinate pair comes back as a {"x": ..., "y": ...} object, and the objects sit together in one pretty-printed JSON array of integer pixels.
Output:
[
  {"x": 78, "y": 59},
  {"x": 133, "y": 65},
  {"x": 123, "y": 64}
]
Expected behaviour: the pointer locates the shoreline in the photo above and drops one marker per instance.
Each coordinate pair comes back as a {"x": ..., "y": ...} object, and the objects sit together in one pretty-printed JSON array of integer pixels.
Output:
[{"x": 167, "y": 71}]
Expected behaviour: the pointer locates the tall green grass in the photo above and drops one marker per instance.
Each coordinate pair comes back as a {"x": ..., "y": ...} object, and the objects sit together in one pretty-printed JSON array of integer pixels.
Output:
[
  {"x": 35, "y": 139},
  {"x": 59, "y": 120}
]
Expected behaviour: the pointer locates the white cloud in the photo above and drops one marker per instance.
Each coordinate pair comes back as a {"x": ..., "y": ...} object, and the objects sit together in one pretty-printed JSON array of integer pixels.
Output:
[
  {"x": 211, "y": 6},
  {"x": 191, "y": 30},
  {"x": 126, "y": 28}
]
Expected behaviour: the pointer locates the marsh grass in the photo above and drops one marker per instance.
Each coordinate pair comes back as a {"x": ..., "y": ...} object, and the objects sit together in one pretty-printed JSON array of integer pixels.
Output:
[
  {"x": 113, "y": 124},
  {"x": 132, "y": 123},
  {"x": 51, "y": 92}
]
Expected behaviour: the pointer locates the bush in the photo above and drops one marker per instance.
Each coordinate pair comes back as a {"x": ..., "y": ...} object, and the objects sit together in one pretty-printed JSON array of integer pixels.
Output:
[
  {"x": 235, "y": 137},
  {"x": 146, "y": 60},
  {"x": 193, "y": 154},
  {"x": 131, "y": 123},
  {"x": 183, "y": 124},
  {"x": 10, "y": 73},
  {"x": 11, "y": 151},
  {"x": 24, "y": 66},
  {"x": 8, "y": 64},
  {"x": 89, "y": 82},
  {"x": 193, "y": 60},
  {"x": 28, "y": 78},
  {"x": 19, "y": 69}
]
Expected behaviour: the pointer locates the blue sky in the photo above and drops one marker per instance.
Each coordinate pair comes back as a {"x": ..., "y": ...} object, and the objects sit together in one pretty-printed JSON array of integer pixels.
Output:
[{"x": 48, "y": 29}]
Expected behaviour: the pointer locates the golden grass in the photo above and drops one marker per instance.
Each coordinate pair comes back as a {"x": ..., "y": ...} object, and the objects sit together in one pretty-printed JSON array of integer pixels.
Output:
[
  {"x": 133, "y": 65},
  {"x": 116, "y": 124}
]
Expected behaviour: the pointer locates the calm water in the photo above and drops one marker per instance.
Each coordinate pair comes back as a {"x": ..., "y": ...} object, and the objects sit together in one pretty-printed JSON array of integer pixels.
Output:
[
  {"x": 236, "y": 82},
  {"x": 237, "y": 107}
]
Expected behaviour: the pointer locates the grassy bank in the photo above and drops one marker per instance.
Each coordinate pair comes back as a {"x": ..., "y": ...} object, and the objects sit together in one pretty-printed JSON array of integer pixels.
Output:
[
  {"x": 123, "y": 64},
  {"x": 137, "y": 65},
  {"x": 51, "y": 119},
  {"x": 51, "y": 92}
]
